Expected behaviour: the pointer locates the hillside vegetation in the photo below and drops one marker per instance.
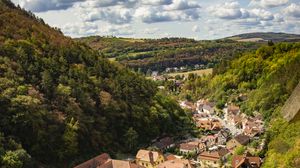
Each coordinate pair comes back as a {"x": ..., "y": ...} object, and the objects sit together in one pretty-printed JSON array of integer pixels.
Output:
[
  {"x": 268, "y": 36},
  {"x": 61, "y": 103},
  {"x": 259, "y": 81},
  {"x": 158, "y": 54}
]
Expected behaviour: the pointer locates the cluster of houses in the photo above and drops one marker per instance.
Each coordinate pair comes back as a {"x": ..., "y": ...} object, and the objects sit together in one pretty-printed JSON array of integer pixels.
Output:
[
  {"x": 206, "y": 118},
  {"x": 225, "y": 134},
  {"x": 206, "y": 158},
  {"x": 144, "y": 159},
  {"x": 222, "y": 135}
]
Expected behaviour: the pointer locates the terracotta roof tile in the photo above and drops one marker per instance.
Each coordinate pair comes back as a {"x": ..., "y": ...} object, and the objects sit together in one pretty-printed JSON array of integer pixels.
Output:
[{"x": 94, "y": 162}]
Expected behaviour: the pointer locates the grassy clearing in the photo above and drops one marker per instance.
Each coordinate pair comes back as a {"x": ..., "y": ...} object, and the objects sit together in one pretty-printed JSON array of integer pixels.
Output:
[
  {"x": 132, "y": 40},
  {"x": 112, "y": 59},
  {"x": 138, "y": 53}
]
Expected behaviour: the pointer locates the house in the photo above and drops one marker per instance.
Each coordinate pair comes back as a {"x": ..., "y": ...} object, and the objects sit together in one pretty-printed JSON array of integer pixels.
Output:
[
  {"x": 189, "y": 147},
  {"x": 204, "y": 106},
  {"x": 231, "y": 111},
  {"x": 187, "y": 105},
  {"x": 168, "y": 69},
  {"x": 209, "y": 124},
  {"x": 252, "y": 131},
  {"x": 236, "y": 120},
  {"x": 210, "y": 140},
  {"x": 199, "y": 106},
  {"x": 208, "y": 107},
  {"x": 223, "y": 136},
  {"x": 149, "y": 159},
  {"x": 95, "y": 162},
  {"x": 213, "y": 158},
  {"x": 154, "y": 74},
  {"x": 119, "y": 164},
  {"x": 216, "y": 124},
  {"x": 253, "y": 127},
  {"x": 164, "y": 143},
  {"x": 200, "y": 116},
  {"x": 176, "y": 163},
  {"x": 237, "y": 141},
  {"x": 246, "y": 160}
]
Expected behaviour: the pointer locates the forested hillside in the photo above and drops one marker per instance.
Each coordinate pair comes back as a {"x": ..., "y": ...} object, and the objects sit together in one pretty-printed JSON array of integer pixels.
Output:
[
  {"x": 259, "y": 81},
  {"x": 159, "y": 54},
  {"x": 61, "y": 103}
]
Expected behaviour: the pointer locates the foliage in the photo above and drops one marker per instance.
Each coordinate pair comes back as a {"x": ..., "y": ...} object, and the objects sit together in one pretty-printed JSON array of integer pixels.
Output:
[
  {"x": 146, "y": 55},
  {"x": 240, "y": 150},
  {"x": 259, "y": 81},
  {"x": 63, "y": 103}
]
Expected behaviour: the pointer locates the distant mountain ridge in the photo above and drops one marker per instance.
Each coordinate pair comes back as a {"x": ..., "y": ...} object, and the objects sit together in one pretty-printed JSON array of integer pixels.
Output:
[{"x": 266, "y": 36}]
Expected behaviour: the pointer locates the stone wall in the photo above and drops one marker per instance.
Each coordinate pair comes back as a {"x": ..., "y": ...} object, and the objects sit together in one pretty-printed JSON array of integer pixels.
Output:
[{"x": 292, "y": 106}]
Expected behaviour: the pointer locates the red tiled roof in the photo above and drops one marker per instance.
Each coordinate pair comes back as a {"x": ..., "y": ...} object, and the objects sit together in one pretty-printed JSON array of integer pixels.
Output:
[
  {"x": 213, "y": 155},
  {"x": 250, "y": 161},
  {"x": 188, "y": 146},
  {"x": 119, "y": 164},
  {"x": 94, "y": 162},
  {"x": 171, "y": 157}
]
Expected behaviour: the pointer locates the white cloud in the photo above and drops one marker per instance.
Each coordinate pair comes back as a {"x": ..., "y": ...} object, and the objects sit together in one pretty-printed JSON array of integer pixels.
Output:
[
  {"x": 229, "y": 10},
  {"x": 156, "y": 2},
  {"x": 88, "y": 28},
  {"x": 107, "y": 3},
  {"x": 293, "y": 10},
  {"x": 269, "y": 3},
  {"x": 116, "y": 30},
  {"x": 261, "y": 14},
  {"x": 196, "y": 28},
  {"x": 152, "y": 14},
  {"x": 115, "y": 15},
  {"x": 182, "y": 5},
  {"x": 80, "y": 28},
  {"x": 233, "y": 11},
  {"x": 42, "y": 5}
]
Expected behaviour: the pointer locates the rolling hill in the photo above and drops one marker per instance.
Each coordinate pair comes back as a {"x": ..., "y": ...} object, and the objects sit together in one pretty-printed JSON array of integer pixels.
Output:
[
  {"x": 158, "y": 54},
  {"x": 264, "y": 37}
]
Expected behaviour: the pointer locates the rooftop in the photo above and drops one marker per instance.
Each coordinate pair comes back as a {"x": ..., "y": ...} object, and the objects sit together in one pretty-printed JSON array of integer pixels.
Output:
[
  {"x": 177, "y": 163},
  {"x": 145, "y": 155},
  {"x": 119, "y": 164},
  {"x": 246, "y": 160},
  {"x": 94, "y": 162},
  {"x": 242, "y": 139}
]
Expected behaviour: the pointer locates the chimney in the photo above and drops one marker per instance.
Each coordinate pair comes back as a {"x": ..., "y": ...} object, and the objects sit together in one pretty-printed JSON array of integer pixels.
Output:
[{"x": 151, "y": 157}]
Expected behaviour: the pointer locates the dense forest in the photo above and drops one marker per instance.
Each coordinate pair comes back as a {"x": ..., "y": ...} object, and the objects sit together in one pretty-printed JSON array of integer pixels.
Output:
[
  {"x": 260, "y": 81},
  {"x": 158, "y": 54},
  {"x": 62, "y": 103}
]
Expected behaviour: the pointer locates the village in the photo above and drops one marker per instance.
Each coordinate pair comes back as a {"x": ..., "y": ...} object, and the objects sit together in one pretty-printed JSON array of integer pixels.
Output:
[{"x": 226, "y": 139}]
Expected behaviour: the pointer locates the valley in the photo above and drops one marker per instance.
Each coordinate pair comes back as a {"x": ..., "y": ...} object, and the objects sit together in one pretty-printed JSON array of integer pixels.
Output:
[{"x": 105, "y": 101}]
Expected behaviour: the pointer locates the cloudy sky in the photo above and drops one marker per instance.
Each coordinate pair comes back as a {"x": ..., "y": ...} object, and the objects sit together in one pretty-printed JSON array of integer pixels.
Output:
[{"x": 199, "y": 19}]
